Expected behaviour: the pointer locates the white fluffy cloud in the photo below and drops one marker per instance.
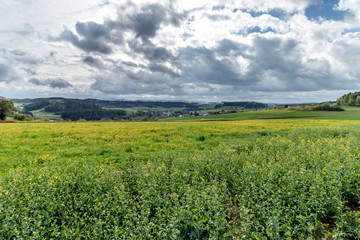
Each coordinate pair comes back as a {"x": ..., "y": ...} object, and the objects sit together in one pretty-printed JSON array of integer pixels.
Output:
[{"x": 187, "y": 50}]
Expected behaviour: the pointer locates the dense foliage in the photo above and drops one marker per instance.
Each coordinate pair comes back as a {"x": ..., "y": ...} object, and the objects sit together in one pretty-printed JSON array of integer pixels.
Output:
[
  {"x": 350, "y": 99},
  {"x": 36, "y": 105},
  {"x": 327, "y": 107},
  {"x": 95, "y": 109},
  {"x": 22, "y": 117},
  {"x": 59, "y": 104},
  {"x": 6, "y": 108},
  {"x": 271, "y": 179},
  {"x": 245, "y": 105},
  {"x": 93, "y": 115}
]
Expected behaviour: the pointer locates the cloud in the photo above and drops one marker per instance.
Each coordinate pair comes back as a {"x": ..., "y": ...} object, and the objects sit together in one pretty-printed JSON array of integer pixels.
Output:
[
  {"x": 26, "y": 29},
  {"x": 92, "y": 30},
  {"x": 88, "y": 43},
  {"x": 202, "y": 65},
  {"x": 150, "y": 51},
  {"x": 19, "y": 56},
  {"x": 7, "y": 74},
  {"x": 144, "y": 22},
  {"x": 149, "y": 20},
  {"x": 289, "y": 6},
  {"x": 188, "y": 49},
  {"x": 151, "y": 17},
  {"x": 29, "y": 71},
  {"x": 153, "y": 67},
  {"x": 52, "y": 83},
  {"x": 18, "y": 52},
  {"x": 127, "y": 82},
  {"x": 349, "y": 5},
  {"x": 93, "y": 62}
]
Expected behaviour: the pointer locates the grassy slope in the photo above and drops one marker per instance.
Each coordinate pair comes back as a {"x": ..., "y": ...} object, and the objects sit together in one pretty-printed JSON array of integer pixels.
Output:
[
  {"x": 46, "y": 116},
  {"x": 350, "y": 113}
]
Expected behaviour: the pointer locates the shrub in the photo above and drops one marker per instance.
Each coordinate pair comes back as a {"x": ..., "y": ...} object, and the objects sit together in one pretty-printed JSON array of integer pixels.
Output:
[{"x": 22, "y": 117}]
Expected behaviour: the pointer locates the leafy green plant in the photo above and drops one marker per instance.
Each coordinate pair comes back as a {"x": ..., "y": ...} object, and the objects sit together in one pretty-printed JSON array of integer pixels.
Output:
[{"x": 268, "y": 179}]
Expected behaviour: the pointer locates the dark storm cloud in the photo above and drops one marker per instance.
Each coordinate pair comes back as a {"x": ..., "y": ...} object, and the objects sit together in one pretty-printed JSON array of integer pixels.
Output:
[{"x": 53, "y": 83}]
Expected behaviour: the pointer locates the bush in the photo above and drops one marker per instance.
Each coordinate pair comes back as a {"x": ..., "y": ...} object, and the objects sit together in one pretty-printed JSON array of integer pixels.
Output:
[
  {"x": 22, "y": 117},
  {"x": 327, "y": 107}
]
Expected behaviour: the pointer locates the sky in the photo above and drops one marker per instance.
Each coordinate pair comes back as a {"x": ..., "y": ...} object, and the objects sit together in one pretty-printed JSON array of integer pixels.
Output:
[{"x": 284, "y": 51}]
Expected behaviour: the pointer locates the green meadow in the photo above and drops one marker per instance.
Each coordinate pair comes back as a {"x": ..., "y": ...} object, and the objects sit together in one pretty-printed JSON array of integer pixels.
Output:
[
  {"x": 283, "y": 178},
  {"x": 350, "y": 113}
]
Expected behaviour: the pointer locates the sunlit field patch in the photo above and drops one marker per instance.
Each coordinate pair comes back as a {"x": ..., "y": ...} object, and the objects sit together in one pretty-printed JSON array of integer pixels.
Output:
[{"x": 288, "y": 178}]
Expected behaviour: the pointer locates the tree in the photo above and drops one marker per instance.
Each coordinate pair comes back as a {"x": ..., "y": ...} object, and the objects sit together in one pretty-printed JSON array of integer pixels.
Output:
[{"x": 6, "y": 108}]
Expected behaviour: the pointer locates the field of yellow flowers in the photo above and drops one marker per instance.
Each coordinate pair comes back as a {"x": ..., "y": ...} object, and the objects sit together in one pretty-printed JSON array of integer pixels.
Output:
[{"x": 256, "y": 179}]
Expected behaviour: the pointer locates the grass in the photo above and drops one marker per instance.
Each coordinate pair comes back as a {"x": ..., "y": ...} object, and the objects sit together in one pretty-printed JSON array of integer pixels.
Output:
[
  {"x": 350, "y": 113},
  {"x": 251, "y": 179},
  {"x": 46, "y": 116}
]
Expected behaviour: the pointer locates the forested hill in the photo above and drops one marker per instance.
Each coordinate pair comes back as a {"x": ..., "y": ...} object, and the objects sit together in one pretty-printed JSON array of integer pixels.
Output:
[
  {"x": 96, "y": 109},
  {"x": 350, "y": 99},
  {"x": 38, "y": 103},
  {"x": 59, "y": 104}
]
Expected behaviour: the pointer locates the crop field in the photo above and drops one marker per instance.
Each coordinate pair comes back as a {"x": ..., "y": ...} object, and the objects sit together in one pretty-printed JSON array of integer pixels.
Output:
[
  {"x": 251, "y": 179},
  {"x": 350, "y": 113}
]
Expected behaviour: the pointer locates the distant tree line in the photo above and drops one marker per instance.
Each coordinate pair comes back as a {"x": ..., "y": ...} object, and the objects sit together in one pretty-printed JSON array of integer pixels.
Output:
[
  {"x": 95, "y": 109},
  {"x": 93, "y": 115},
  {"x": 326, "y": 106},
  {"x": 52, "y": 103},
  {"x": 145, "y": 104},
  {"x": 245, "y": 105},
  {"x": 350, "y": 99},
  {"x": 71, "y": 106},
  {"x": 75, "y": 109}
]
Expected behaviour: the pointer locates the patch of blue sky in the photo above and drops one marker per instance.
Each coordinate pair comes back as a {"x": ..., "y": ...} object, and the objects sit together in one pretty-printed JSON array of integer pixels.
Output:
[
  {"x": 353, "y": 30},
  {"x": 259, "y": 30},
  {"x": 326, "y": 10},
  {"x": 254, "y": 30},
  {"x": 218, "y": 7},
  {"x": 186, "y": 36},
  {"x": 277, "y": 13}
]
